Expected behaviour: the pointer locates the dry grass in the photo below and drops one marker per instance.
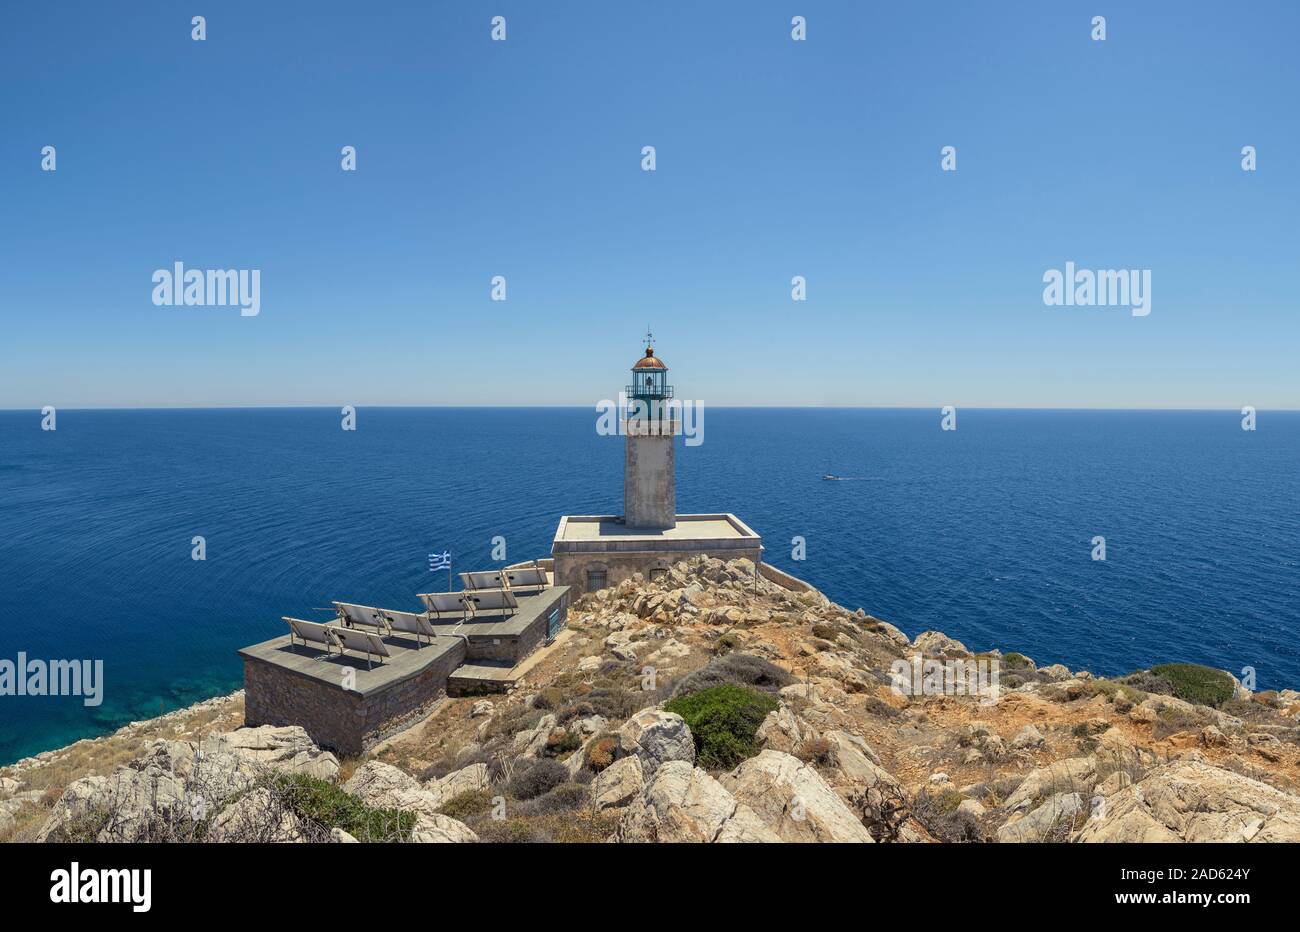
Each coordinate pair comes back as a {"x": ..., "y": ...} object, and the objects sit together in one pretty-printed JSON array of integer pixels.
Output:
[{"x": 101, "y": 756}]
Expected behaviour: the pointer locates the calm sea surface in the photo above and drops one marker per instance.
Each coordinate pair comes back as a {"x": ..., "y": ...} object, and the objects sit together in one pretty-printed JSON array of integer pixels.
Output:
[{"x": 984, "y": 533}]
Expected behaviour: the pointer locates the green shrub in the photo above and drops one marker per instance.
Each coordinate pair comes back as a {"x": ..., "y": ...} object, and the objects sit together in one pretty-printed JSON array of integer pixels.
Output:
[
  {"x": 326, "y": 805},
  {"x": 1195, "y": 683},
  {"x": 470, "y": 803},
  {"x": 1104, "y": 687},
  {"x": 1014, "y": 660},
  {"x": 723, "y": 720},
  {"x": 825, "y": 632},
  {"x": 549, "y": 699},
  {"x": 560, "y": 741}
]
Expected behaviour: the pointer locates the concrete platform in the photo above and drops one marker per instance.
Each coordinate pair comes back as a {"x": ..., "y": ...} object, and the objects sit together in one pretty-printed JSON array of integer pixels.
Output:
[
  {"x": 481, "y": 677},
  {"x": 693, "y": 528}
]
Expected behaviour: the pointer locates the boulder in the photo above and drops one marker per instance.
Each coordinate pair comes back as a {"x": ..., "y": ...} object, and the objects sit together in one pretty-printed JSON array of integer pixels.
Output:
[
  {"x": 854, "y": 772},
  {"x": 588, "y": 726},
  {"x": 256, "y": 817},
  {"x": 620, "y": 645},
  {"x": 618, "y": 784},
  {"x": 1116, "y": 749},
  {"x": 780, "y": 730},
  {"x": 672, "y": 650},
  {"x": 466, "y": 780},
  {"x": 1114, "y": 783},
  {"x": 481, "y": 708},
  {"x": 1052, "y": 821},
  {"x": 383, "y": 786},
  {"x": 682, "y": 803},
  {"x": 1190, "y": 800},
  {"x": 886, "y": 630},
  {"x": 1071, "y": 775},
  {"x": 532, "y": 741},
  {"x": 1212, "y": 737},
  {"x": 656, "y": 737},
  {"x": 1027, "y": 738},
  {"x": 286, "y": 748},
  {"x": 843, "y": 669},
  {"x": 972, "y": 807},
  {"x": 793, "y": 800},
  {"x": 159, "y": 795},
  {"x": 936, "y": 643},
  {"x": 805, "y": 691}
]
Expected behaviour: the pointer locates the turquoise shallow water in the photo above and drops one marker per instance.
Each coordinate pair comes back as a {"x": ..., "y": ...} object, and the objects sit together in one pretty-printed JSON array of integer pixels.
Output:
[{"x": 983, "y": 533}]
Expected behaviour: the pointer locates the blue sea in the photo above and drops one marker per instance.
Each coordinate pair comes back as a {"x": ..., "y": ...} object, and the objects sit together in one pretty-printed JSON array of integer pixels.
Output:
[{"x": 984, "y": 532}]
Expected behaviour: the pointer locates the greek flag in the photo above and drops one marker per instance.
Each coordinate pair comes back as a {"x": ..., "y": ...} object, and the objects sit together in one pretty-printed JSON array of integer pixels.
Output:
[{"x": 439, "y": 561}]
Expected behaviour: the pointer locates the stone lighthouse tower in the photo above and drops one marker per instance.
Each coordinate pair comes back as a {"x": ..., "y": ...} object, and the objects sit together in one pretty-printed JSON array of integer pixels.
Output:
[{"x": 649, "y": 423}]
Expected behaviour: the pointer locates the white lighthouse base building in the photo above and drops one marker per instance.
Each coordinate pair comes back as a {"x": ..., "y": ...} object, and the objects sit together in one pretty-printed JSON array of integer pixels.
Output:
[{"x": 595, "y": 551}]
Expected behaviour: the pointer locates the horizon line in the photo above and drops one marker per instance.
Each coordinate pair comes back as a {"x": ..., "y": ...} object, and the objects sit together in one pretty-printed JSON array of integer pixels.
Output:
[{"x": 592, "y": 407}]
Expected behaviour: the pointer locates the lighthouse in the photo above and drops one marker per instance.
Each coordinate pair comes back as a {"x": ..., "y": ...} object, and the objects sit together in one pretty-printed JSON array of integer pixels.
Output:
[
  {"x": 594, "y": 551},
  {"x": 649, "y": 425}
]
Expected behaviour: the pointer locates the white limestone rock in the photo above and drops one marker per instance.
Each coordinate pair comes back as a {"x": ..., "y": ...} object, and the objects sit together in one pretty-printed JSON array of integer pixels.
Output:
[
  {"x": 618, "y": 784},
  {"x": 936, "y": 643},
  {"x": 656, "y": 737},
  {"x": 1190, "y": 800},
  {"x": 383, "y": 786},
  {"x": 287, "y": 748},
  {"x": 1053, "y": 820},
  {"x": 682, "y": 803},
  {"x": 1070, "y": 775},
  {"x": 469, "y": 779},
  {"x": 793, "y": 800}
]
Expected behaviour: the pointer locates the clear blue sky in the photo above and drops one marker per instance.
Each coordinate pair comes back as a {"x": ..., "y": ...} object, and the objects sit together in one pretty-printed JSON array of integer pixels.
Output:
[{"x": 775, "y": 159}]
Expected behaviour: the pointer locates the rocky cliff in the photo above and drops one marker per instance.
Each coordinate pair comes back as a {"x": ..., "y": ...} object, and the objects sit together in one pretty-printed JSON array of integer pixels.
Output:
[{"x": 715, "y": 705}]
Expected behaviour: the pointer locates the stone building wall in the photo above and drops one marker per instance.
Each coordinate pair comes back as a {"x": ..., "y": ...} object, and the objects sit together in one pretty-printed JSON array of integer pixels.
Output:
[
  {"x": 344, "y": 721},
  {"x": 516, "y": 648},
  {"x": 571, "y": 568}
]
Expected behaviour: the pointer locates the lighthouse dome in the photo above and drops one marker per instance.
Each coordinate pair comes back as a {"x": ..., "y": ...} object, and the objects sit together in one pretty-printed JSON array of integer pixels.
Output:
[{"x": 649, "y": 361}]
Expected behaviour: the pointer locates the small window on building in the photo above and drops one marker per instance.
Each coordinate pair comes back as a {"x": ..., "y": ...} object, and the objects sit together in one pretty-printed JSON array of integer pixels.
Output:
[
  {"x": 658, "y": 574},
  {"x": 595, "y": 580}
]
